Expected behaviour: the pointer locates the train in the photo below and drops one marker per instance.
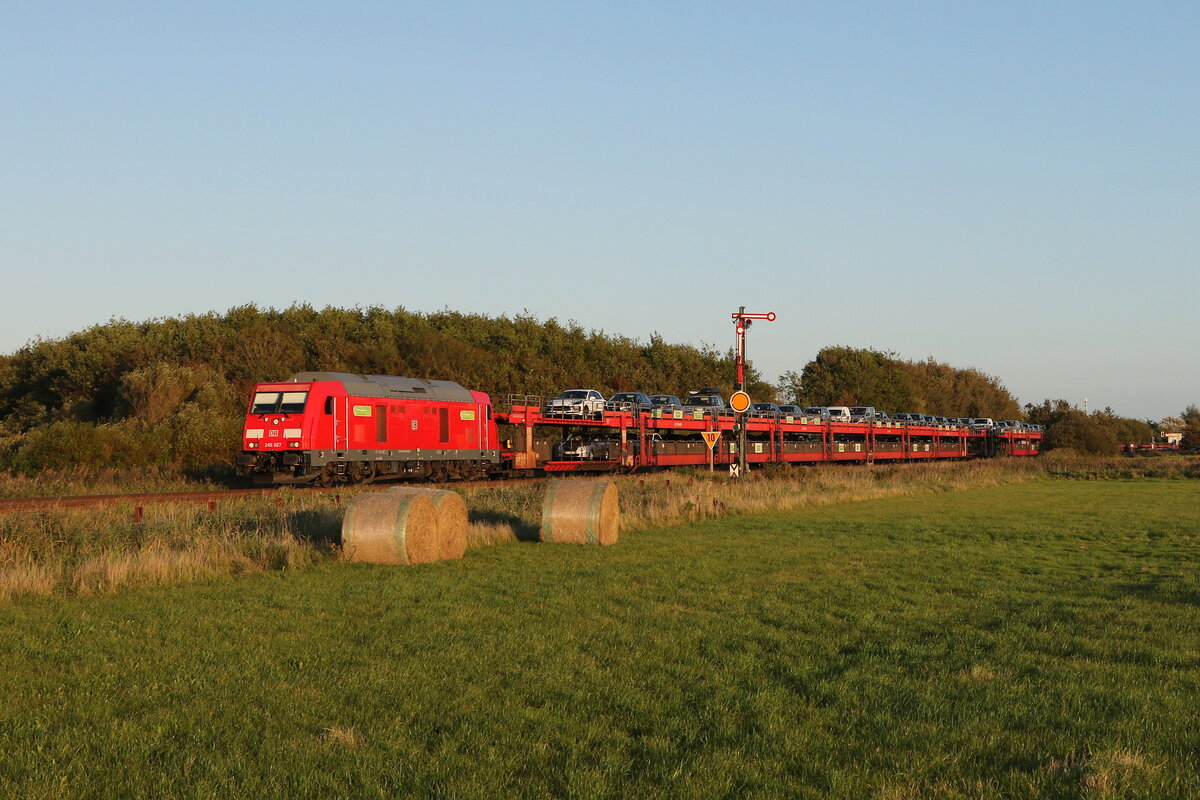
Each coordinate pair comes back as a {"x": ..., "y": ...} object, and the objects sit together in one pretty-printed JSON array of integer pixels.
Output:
[{"x": 331, "y": 428}]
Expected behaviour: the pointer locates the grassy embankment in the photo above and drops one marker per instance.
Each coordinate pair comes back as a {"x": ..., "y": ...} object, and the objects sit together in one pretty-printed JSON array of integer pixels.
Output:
[
  {"x": 1032, "y": 640},
  {"x": 95, "y": 551}
]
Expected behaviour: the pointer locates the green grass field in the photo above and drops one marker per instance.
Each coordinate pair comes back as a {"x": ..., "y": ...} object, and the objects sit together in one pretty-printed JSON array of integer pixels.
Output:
[{"x": 1025, "y": 641}]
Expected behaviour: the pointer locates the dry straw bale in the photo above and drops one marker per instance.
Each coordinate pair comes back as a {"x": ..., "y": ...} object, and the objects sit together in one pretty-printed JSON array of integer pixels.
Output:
[
  {"x": 581, "y": 512},
  {"x": 387, "y": 528},
  {"x": 452, "y": 518}
]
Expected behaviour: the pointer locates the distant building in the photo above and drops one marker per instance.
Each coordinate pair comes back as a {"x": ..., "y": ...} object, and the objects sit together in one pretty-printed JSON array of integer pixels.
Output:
[{"x": 1172, "y": 438}]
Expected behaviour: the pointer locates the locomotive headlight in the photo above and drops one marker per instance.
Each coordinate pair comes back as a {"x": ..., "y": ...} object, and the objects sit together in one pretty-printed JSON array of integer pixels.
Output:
[
  {"x": 251, "y": 445},
  {"x": 293, "y": 444}
]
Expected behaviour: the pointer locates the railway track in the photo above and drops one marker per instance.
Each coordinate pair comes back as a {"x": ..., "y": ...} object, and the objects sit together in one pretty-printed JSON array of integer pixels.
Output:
[
  {"x": 211, "y": 496},
  {"x": 9, "y": 504}
]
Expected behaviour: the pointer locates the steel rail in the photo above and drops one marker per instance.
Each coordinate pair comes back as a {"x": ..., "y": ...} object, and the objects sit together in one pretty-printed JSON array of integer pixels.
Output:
[{"x": 10, "y": 504}]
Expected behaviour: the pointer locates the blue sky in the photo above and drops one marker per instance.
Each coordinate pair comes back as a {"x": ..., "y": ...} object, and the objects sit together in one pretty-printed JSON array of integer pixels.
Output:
[{"x": 1008, "y": 186}]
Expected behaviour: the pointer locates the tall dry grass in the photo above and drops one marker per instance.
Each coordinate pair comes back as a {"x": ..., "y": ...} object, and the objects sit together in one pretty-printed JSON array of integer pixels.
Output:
[
  {"x": 94, "y": 551},
  {"x": 665, "y": 499},
  {"x": 1071, "y": 465}
]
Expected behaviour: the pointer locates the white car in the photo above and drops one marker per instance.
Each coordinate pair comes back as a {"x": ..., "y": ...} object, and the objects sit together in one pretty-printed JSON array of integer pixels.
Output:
[
  {"x": 839, "y": 413},
  {"x": 576, "y": 403}
]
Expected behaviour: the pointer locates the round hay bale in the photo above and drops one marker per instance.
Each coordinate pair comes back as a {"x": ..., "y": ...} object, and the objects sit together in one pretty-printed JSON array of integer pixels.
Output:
[
  {"x": 581, "y": 512},
  {"x": 384, "y": 528},
  {"x": 452, "y": 518}
]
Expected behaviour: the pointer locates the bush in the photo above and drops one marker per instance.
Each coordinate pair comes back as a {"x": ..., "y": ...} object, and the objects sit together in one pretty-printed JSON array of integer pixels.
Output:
[
  {"x": 67, "y": 443},
  {"x": 174, "y": 389}
]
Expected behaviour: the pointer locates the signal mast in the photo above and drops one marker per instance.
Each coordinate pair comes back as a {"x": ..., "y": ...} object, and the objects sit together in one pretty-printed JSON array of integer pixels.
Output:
[{"x": 740, "y": 401}]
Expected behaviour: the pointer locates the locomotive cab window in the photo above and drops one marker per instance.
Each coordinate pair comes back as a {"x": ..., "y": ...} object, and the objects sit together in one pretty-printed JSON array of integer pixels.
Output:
[
  {"x": 293, "y": 402},
  {"x": 278, "y": 402}
]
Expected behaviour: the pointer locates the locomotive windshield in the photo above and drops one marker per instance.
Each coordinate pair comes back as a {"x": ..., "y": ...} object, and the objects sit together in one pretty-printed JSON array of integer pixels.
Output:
[{"x": 278, "y": 402}]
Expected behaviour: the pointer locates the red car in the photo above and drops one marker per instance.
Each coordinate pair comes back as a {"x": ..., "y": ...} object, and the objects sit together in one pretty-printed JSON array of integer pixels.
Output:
[{"x": 336, "y": 427}]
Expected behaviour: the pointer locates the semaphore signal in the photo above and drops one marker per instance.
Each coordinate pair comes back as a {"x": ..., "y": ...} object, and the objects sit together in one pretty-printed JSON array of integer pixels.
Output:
[{"x": 742, "y": 321}]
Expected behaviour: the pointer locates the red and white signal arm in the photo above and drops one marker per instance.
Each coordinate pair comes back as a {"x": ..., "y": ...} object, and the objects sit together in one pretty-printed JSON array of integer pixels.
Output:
[{"x": 740, "y": 402}]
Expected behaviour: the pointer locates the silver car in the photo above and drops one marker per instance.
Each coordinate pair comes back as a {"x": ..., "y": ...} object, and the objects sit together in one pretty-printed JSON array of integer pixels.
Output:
[
  {"x": 765, "y": 410},
  {"x": 629, "y": 401},
  {"x": 704, "y": 400},
  {"x": 667, "y": 402},
  {"x": 579, "y": 403}
]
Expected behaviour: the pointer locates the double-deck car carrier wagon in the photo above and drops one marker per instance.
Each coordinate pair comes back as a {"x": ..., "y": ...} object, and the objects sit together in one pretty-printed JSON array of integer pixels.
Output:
[{"x": 642, "y": 438}]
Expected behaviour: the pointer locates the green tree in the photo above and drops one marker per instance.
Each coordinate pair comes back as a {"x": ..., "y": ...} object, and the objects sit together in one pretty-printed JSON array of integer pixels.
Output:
[
  {"x": 849, "y": 376},
  {"x": 1191, "y": 426},
  {"x": 1099, "y": 433},
  {"x": 1081, "y": 432}
]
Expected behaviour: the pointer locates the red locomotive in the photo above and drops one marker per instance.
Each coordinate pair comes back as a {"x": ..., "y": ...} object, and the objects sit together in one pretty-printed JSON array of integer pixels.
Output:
[{"x": 336, "y": 427}]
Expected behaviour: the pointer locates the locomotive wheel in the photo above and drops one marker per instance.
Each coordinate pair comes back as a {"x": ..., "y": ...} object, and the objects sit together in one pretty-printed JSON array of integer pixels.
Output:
[
  {"x": 327, "y": 477},
  {"x": 364, "y": 472}
]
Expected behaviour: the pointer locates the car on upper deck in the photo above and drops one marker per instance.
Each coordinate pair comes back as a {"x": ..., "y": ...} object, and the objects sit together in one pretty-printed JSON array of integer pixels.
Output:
[
  {"x": 862, "y": 413},
  {"x": 666, "y": 402},
  {"x": 769, "y": 410},
  {"x": 706, "y": 400},
  {"x": 637, "y": 402},
  {"x": 838, "y": 413},
  {"x": 581, "y": 403}
]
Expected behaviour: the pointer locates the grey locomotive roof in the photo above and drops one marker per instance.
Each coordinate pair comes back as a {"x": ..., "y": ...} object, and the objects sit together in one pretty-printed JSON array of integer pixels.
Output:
[{"x": 391, "y": 386}]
